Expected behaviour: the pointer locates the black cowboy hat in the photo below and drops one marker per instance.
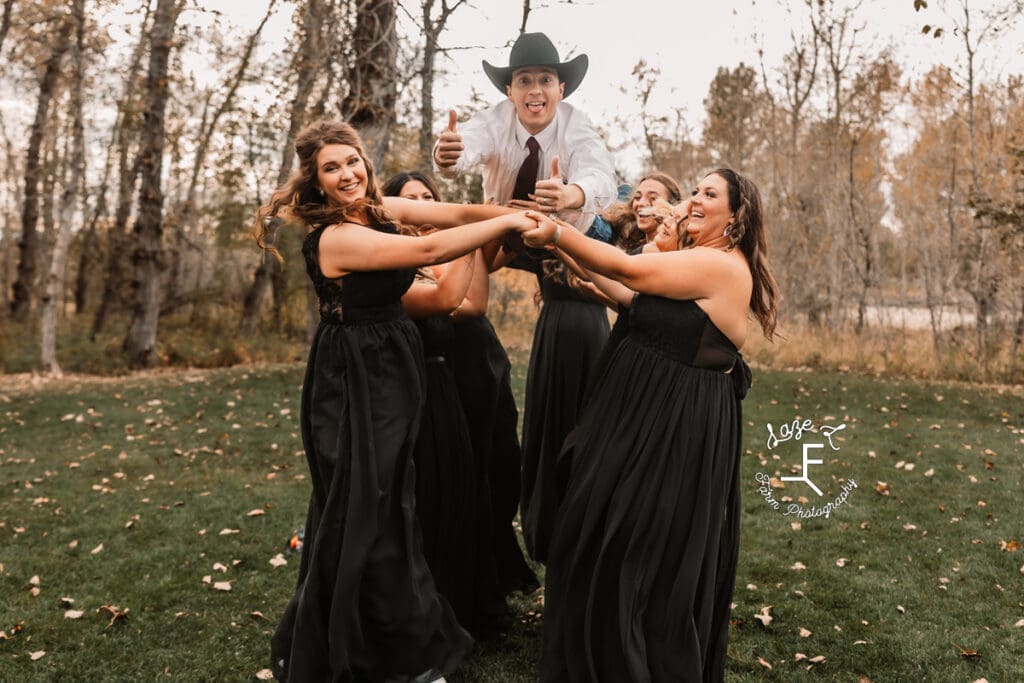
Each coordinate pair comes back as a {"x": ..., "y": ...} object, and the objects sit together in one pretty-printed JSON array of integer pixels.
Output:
[{"x": 536, "y": 49}]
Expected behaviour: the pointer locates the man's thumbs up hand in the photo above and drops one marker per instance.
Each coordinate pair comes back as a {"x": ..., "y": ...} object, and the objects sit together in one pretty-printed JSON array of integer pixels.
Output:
[
  {"x": 449, "y": 145},
  {"x": 553, "y": 195}
]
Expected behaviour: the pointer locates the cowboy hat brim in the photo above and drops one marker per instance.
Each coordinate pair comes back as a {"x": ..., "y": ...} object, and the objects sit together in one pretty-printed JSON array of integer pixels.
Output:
[{"x": 571, "y": 73}]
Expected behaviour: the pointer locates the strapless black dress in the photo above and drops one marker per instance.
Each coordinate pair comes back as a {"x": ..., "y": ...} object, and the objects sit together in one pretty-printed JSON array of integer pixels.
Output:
[{"x": 643, "y": 558}]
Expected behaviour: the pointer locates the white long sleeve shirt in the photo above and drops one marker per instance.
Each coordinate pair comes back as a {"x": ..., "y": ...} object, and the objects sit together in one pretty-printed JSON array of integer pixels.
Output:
[{"x": 496, "y": 140}]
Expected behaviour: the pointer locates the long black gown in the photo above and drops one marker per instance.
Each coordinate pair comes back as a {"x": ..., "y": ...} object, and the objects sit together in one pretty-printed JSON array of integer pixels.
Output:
[
  {"x": 448, "y": 490},
  {"x": 366, "y": 607},
  {"x": 482, "y": 374},
  {"x": 567, "y": 341},
  {"x": 643, "y": 559}
]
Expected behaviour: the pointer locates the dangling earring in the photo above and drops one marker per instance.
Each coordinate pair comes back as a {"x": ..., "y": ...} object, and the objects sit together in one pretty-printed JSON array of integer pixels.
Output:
[
  {"x": 728, "y": 229},
  {"x": 321, "y": 191}
]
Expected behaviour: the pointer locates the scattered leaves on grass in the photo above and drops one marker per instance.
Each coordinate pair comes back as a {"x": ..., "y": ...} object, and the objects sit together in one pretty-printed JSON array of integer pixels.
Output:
[
  {"x": 225, "y": 532},
  {"x": 842, "y": 561},
  {"x": 37, "y": 655},
  {"x": 257, "y": 615},
  {"x": 278, "y": 560},
  {"x": 264, "y": 675},
  {"x": 73, "y": 614},
  {"x": 34, "y": 581},
  {"x": 222, "y": 586},
  {"x": 798, "y": 566},
  {"x": 258, "y": 512},
  {"x": 67, "y": 603},
  {"x": 1008, "y": 546},
  {"x": 764, "y": 616},
  {"x": 218, "y": 567},
  {"x": 73, "y": 544},
  {"x": 115, "y": 612},
  {"x": 882, "y": 488},
  {"x": 762, "y": 662},
  {"x": 804, "y": 633},
  {"x": 901, "y": 609}
]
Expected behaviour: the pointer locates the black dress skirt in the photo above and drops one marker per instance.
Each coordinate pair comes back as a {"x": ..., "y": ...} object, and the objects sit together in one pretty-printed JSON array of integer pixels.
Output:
[
  {"x": 447, "y": 482},
  {"x": 366, "y": 607},
  {"x": 643, "y": 558},
  {"x": 567, "y": 341},
  {"x": 482, "y": 373}
]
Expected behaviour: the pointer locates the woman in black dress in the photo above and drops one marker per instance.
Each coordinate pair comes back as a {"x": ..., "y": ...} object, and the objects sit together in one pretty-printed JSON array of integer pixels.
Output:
[
  {"x": 565, "y": 359},
  {"x": 643, "y": 559},
  {"x": 453, "y": 498},
  {"x": 366, "y": 607}
]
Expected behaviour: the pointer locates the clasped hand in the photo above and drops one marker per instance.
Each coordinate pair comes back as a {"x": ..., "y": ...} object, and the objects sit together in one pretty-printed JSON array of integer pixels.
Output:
[{"x": 541, "y": 230}]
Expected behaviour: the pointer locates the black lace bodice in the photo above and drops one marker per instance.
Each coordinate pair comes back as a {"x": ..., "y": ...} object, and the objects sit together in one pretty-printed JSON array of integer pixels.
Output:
[{"x": 359, "y": 296}]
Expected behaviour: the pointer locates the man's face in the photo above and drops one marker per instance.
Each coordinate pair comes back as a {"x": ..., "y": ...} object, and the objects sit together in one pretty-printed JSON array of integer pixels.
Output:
[{"x": 536, "y": 92}]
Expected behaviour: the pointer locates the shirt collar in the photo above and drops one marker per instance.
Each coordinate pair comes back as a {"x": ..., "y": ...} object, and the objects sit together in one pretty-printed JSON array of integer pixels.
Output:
[{"x": 545, "y": 138}]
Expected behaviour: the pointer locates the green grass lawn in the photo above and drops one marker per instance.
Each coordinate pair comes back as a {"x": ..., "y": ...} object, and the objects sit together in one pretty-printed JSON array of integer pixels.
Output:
[{"x": 145, "y": 493}]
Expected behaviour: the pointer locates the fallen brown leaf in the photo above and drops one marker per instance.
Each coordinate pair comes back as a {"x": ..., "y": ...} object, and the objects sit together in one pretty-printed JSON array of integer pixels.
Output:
[
  {"x": 764, "y": 616},
  {"x": 116, "y": 613}
]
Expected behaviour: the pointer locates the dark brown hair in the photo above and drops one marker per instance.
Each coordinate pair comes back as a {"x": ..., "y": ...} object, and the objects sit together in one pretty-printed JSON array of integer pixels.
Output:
[
  {"x": 748, "y": 233},
  {"x": 300, "y": 197},
  {"x": 392, "y": 187}
]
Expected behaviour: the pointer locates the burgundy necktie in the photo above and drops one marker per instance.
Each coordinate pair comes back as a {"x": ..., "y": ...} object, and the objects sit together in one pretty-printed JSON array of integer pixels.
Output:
[{"x": 526, "y": 181}]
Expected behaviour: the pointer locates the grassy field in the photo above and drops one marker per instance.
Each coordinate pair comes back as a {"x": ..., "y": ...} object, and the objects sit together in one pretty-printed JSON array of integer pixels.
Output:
[{"x": 154, "y": 493}]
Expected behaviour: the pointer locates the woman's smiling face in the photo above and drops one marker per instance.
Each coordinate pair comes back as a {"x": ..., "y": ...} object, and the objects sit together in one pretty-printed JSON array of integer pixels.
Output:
[{"x": 341, "y": 174}]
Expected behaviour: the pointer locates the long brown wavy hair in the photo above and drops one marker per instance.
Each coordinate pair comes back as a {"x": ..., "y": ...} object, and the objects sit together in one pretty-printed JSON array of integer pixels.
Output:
[
  {"x": 300, "y": 197},
  {"x": 626, "y": 234},
  {"x": 748, "y": 233}
]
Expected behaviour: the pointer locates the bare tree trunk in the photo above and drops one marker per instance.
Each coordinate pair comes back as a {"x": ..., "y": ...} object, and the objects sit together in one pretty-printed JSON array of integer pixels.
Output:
[
  {"x": 148, "y": 256},
  {"x": 23, "y": 290},
  {"x": 73, "y": 195},
  {"x": 307, "y": 66},
  {"x": 87, "y": 257},
  {"x": 370, "y": 103},
  {"x": 11, "y": 213},
  {"x": 125, "y": 133},
  {"x": 179, "y": 220},
  {"x": 5, "y": 21},
  {"x": 432, "y": 29}
]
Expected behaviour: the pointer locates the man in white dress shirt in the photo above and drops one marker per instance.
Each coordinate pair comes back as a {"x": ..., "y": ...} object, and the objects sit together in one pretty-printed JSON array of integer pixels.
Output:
[{"x": 580, "y": 184}]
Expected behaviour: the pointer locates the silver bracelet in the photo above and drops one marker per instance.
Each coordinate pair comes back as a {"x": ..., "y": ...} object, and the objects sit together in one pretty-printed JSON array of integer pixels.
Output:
[{"x": 558, "y": 233}]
